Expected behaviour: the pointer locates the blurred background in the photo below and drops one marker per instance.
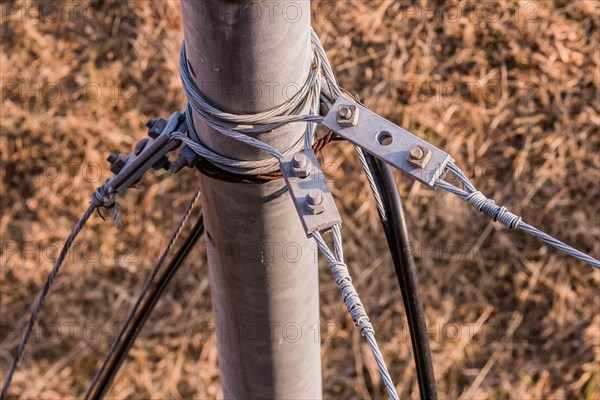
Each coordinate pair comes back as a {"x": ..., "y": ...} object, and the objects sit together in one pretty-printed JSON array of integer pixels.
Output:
[{"x": 509, "y": 88}]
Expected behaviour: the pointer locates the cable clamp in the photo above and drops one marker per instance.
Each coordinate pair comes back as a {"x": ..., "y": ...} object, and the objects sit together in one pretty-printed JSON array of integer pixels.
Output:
[{"x": 150, "y": 152}]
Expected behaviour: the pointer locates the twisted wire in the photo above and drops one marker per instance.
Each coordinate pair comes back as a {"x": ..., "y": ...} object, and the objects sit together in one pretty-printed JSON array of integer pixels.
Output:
[
  {"x": 353, "y": 304},
  {"x": 102, "y": 197},
  {"x": 336, "y": 262},
  {"x": 239, "y": 127},
  {"x": 500, "y": 214},
  {"x": 327, "y": 69},
  {"x": 374, "y": 188}
]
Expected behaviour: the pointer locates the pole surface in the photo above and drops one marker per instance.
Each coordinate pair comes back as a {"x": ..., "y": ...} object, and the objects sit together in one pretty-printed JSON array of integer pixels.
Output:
[{"x": 249, "y": 57}]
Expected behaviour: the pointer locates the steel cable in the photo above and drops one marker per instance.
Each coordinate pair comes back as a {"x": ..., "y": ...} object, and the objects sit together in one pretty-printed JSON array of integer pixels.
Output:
[
  {"x": 239, "y": 127},
  {"x": 103, "y": 197},
  {"x": 340, "y": 272},
  {"x": 470, "y": 194}
]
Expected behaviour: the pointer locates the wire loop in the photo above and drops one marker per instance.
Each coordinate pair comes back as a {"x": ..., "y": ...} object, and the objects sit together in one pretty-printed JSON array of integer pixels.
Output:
[{"x": 240, "y": 127}]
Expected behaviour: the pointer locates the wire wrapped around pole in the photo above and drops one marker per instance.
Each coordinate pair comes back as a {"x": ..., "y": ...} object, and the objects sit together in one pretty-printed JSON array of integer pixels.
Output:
[{"x": 241, "y": 127}]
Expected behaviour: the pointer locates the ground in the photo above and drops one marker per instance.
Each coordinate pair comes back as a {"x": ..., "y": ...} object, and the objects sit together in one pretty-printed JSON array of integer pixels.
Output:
[{"x": 509, "y": 88}]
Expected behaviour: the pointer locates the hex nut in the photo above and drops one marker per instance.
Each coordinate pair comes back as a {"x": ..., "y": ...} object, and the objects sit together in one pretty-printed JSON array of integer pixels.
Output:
[
  {"x": 347, "y": 115},
  {"x": 117, "y": 163},
  {"x": 301, "y": 165},
  {"x": 419, "y": 156},
  {"x": 315, "y": 202},
  {"x": 155, "y": 127}
]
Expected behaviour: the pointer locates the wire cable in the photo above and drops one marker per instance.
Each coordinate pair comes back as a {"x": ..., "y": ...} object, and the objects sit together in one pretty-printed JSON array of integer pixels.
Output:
[
  {"x": 406, "y": 273},
  {"x": 239, "y": 127},
  {"x": 340, "y": 272},
  {"x": 101, "y": 198},
  {"x": 500, "y": 214},
  {"x": 138, "y": 320},
  {"x": 391, "y": 213},
  {"x": 105, "y": 363}
]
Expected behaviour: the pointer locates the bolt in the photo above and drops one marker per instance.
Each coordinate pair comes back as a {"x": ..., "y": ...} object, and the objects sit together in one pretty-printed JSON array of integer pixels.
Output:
[
  {"x": 315, "y": 202},
  {"x": 417, "y": 153},
  {"x": 140, "y": 146},
  {"x": 117, "y": 162},
  {"x": 177, "y": 165},
  {"x": 162, "y": 163},
  {"x": 155, "y": 127},
  {"x": 345, "y": 112},
  {"x": 300, "y": 160},
  {"x": 301, "y": 165},
  {"x": 150, "y": 123},
  {"x": 419, "y": 156},
  {"x": 112, "y": 157},
  {"x": 314, "y": 197},
  {"x": 347, "y": 115}
]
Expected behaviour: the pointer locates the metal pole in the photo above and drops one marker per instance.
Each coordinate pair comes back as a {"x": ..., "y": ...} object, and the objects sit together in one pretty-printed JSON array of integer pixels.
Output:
[{"x": 249, "y": 57}]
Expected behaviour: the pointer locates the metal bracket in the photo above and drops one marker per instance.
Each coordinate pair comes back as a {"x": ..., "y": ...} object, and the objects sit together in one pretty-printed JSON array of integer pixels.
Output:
[
  {"x": 307, "y": 185},
  {"x": 150, "y": 152},
  {"x": 387, "y": 141}
]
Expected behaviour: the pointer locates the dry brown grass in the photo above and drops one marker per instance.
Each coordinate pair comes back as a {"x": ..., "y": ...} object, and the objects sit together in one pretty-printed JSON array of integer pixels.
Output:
[{"x": 525, "y": 123}]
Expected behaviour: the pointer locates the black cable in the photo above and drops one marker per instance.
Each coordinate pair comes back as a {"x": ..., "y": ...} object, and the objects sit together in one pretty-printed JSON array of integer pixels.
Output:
[
  {"x": 396, "y": 232},
  {"x": 165, "y": 253},
  {"x": 111, "y": 365}
]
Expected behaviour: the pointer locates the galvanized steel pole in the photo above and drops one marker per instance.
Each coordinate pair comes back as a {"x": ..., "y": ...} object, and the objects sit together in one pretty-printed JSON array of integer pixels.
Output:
[{"x": 248, "y": 57}]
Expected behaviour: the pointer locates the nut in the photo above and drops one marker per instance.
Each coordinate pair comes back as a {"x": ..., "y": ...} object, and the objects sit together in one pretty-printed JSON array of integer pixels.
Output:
[
  {"x": 347, "y": 115},
  {"x": 301, "y": 165},
  {"x": 419, "y": 156},
  {"x": 117, "y": 162},
  {"x": 155, "y": 127},
  {"x": 315, "y": 201}
]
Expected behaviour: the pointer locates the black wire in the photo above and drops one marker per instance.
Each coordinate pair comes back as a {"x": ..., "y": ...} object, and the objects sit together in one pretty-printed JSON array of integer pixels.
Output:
[
  {"x": 112, "y": 365},
  {"x": 157, "y": 267},
  {"x": 396, "y": 232}
]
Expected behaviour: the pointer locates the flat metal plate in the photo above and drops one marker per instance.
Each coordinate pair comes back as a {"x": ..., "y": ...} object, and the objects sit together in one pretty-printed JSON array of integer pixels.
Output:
[
  {"x": 299, "y": 188},
  {"x": 372, "y": 129}
]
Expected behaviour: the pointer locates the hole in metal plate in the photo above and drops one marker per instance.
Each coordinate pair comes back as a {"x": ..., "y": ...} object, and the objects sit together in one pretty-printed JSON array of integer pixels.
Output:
[{"x": 384, "y": 138}]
